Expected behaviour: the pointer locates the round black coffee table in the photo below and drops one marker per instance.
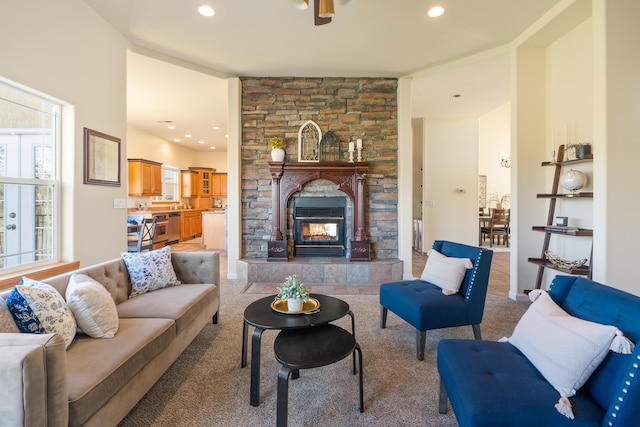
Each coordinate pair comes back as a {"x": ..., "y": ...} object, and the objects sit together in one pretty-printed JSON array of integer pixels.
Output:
[
  {"x": 299, "y": 349},
  {"x": 262, "y": 317}
]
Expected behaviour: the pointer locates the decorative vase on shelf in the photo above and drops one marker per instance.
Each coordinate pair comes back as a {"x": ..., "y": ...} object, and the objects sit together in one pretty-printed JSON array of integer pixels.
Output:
[
  {"x": 573, "y": 180},
  {"x": 277, "y": 154}
]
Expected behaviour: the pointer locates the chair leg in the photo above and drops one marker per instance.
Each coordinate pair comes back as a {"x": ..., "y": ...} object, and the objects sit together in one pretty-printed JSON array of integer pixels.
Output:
[
  {"x": 420, "y": 343},
  {"x": 444, "y": 398},
  {"x": 476, "y": 331},
  {"x": 383, "y": 317}
]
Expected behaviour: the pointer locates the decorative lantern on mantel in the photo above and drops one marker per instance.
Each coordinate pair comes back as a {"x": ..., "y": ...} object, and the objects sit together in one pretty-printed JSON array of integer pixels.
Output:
[{"x": 330, "y": 148}]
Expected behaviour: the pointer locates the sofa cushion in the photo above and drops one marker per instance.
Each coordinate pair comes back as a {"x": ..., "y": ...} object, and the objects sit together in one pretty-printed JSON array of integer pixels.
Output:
[
  {"x": 493, "y": 384},
  {"x": 93, "y": 307},
  {"x": 7, "y": 324},
  {"x": 98, "y": 369},
  {"x": 445, "y": 272},
  {"x": 38, "y": 308},
  {"x": 180, "y": 303},
  {"x": 150, "y": 271}
]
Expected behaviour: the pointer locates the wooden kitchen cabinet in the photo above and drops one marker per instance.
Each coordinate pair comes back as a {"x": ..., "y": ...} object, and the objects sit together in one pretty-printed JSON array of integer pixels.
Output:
[
  {"x": 189, "y": 183},
  {"x": 191, "y": 225},
  {"x": 204, "y": 180},
  {"x": 200, "y": 194},
  {"x": 145, "y": 178},
  {"x": 219, "y": 185}
]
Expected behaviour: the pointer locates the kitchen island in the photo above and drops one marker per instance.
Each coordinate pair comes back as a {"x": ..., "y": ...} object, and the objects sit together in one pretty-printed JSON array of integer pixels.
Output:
[{"x": 214, "y": 229}]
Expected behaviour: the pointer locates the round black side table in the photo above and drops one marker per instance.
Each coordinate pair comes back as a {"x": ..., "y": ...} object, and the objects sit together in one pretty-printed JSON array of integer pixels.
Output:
[{"x": 310, "y": 348}]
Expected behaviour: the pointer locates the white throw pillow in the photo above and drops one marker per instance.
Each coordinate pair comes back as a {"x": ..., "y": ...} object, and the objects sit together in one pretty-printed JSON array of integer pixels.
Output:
[
  {"x": 565, "y": 349},
  {"x": 7, "y": 324},
  {"x": 445, "y": 272},
  {"x": 39, "y": 308},
  {"x": 150, "y": 271},
  {"x": 93, "y": 307}
]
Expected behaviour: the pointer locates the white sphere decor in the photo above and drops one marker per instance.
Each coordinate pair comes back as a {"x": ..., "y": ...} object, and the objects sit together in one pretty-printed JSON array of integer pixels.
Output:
[{"x": 573, "y": 180}]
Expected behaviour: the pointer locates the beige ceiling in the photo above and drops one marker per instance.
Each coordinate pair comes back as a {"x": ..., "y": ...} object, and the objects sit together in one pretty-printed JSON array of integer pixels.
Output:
[{"x": 180, "y": 60}]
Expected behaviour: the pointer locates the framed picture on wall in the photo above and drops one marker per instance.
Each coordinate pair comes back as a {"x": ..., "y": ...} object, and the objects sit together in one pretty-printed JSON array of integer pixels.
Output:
[
  {"x": 101, "y": 158},
  {"x": 482, "y": 191}
]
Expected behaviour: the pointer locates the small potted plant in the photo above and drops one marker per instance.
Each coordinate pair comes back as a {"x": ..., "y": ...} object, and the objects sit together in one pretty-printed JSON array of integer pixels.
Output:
[
  {"x": 294, "y": 292},
  {"x": 277, "y": 145},
  {"x": 500, "y": 200}
]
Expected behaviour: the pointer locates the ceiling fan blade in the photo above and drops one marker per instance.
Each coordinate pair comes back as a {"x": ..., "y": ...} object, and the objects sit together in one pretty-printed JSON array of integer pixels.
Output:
[{"x": 316, "y": 14}]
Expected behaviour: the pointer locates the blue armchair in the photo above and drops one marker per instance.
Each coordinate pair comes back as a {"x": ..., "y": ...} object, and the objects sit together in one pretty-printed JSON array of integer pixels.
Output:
[{"x": 425, "y": 307}]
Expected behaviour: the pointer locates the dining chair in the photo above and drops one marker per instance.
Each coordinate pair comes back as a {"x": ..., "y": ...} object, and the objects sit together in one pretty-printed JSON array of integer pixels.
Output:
[
  {"x": 144, "y": 234},
  {"x": 498, "y": 226}
]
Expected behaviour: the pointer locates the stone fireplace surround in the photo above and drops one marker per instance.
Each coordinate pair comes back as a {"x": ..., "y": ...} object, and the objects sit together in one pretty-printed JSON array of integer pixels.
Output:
[
  {"x": 351, "y": 107},
  {"x": 289, "y": 179}
]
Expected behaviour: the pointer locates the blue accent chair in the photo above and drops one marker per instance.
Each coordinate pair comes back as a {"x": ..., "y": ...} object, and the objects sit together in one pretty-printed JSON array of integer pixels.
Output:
[
  {"x": 425, "y": 307},
  {"x": 492, "y": 384}
]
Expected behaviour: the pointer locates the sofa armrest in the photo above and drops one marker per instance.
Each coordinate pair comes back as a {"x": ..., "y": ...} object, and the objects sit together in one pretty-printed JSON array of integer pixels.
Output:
[
  {"x": 197, "y": 267},
  {"x": 33, "y": 374}
]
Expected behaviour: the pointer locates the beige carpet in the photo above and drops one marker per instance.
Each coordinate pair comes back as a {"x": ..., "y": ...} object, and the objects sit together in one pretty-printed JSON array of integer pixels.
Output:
[{"x": 207, "y": 387}]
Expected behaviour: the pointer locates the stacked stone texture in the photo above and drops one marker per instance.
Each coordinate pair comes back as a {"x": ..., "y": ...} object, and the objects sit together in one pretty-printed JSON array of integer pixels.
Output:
[{"x": 352, "y": 108}]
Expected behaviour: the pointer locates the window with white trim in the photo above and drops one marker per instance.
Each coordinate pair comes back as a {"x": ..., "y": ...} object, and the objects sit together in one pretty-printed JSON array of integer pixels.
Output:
[
  {"x": 170, "y": 183},
  {"x": 29, "y": 181}
]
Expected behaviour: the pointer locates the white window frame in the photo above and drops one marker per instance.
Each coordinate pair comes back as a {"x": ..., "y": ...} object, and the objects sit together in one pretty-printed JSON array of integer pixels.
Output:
[{"x": 54, "y": 182}]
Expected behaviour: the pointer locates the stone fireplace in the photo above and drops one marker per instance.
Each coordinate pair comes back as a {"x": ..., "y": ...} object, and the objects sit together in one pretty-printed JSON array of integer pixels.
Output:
[{"x": 320, "y": 224}]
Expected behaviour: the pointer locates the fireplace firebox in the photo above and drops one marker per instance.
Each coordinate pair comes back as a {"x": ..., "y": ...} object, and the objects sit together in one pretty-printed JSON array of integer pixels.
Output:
[{"x": 319, "y": 226}]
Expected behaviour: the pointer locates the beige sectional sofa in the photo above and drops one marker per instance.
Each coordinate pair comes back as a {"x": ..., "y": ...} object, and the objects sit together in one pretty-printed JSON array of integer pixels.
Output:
[{"x": 97, "y": 381}]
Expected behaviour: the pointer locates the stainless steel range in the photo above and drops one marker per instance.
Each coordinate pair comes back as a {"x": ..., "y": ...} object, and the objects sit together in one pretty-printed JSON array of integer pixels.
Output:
[{"x": 162, "y": 230}]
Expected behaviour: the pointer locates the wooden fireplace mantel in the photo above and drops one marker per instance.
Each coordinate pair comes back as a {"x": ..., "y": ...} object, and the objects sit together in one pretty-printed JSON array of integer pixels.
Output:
[{"x": 289, "y": 178}]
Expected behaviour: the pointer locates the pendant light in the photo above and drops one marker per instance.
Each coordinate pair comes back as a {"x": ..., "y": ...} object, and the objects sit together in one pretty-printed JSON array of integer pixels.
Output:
[{"x": 326, "y": 9}]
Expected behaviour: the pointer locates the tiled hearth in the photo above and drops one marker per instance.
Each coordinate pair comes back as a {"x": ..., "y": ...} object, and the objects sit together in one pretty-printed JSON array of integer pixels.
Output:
[{"x": 329, "y": 271}]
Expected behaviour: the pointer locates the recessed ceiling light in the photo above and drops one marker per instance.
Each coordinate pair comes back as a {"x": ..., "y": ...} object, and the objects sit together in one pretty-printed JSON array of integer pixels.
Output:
[
  {"x": 200, "y": 142},
  {"x": 213, "y": 148},
  {"x": 171, "y": 127},
  {"x": 226, "y": 136},
  {"x": 435, "y": 11},
  {"x": 187, "y": 135},
  {"x": 206, "y": 11},
  {"x": 216, "y": 127},
  {"x": 176, "y": 140}
]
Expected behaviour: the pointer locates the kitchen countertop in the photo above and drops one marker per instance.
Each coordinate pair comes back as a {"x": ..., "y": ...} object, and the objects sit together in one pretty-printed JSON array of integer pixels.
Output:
[{"x": 166, "y": 211}]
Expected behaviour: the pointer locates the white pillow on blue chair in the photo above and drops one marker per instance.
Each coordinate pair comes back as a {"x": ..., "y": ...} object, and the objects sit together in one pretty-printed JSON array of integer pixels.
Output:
[{"x": 445, "y": 272}]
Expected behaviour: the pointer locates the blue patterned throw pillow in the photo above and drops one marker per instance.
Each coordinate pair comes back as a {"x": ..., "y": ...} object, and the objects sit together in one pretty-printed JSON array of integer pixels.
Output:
[
  {"x": 38, "y": 308},
  {"x": 150, "y": 271}
]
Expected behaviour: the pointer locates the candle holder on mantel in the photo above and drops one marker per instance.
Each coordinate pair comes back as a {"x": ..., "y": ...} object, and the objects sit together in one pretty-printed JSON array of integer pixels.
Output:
[{"x": 359, "y": 148}]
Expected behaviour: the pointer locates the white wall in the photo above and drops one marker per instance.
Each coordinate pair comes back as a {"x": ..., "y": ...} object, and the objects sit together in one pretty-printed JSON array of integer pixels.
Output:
[
  {"x": 569, "y": 66},
  {"x": 66, "y": 50},
  {"x": 143, "y": 145},
  {"x": 616, "y": 136},
  {"x": 495, "y": 139},
  {"x": 451, "y": 163}
]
